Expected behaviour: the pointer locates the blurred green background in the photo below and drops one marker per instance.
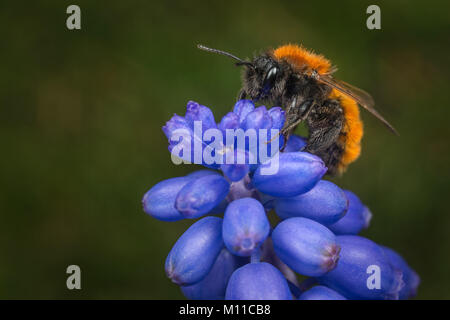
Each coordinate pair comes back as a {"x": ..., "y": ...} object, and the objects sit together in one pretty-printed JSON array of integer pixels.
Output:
[{"x": 81, "y": 140}]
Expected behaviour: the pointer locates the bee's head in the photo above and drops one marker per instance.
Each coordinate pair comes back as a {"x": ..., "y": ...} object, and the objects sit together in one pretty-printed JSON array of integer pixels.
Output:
[
  {"x": 260, "y": 79},
  {"x": 260, "y": 74}
]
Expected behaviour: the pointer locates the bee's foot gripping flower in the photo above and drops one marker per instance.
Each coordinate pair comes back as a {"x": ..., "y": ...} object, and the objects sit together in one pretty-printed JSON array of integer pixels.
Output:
[{"x": 243, "y": 256}]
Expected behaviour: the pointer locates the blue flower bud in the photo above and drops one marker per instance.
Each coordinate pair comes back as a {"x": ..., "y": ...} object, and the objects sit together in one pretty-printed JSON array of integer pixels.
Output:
[
  {"x": 258, "y": 281},
  {"x": 295, "y": 143},
  {"x": 229, "y": 121},
  {"x": 261, "y": 118},
  {"x": 410, "y": 278},
  {"x": 214, "y": 285},
  {"x": 245, "y": 226},
  {"x": 277, "y": 115},
  {"x": 201, "y": 173},
  {"x": 235, "y": 172},
  {"x": 356, "y": 219},
  {"x": 201, "y": 195},
  {"x": 159, "y": 201},
  {"x": 197, "y": 112},
  {"x": 326, "y": 203},
  {"x": 175, "y": 123},
  {"x": 321, "y": 293},
  {"x": 258, "y": 119},
  {"x": 306, "y": 246},
  {"x": 195, "y": 252},
  {"x": 298, "y": 173},
  {"x": 239, "y": 165},
  {"x": 242, "y": 108},
  {"x": 184, "y": 140},
  {"x": 363, "y": 271}
]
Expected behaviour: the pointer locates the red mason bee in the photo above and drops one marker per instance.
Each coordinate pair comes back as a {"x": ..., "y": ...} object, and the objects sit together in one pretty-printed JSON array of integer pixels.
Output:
[{"x": 301, "y": 82}]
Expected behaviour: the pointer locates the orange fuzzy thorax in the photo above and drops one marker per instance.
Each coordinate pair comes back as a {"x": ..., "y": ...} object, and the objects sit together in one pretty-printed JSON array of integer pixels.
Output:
[
  {"x": 300, "y": 58},
  {"x": 352, "y": 131}
]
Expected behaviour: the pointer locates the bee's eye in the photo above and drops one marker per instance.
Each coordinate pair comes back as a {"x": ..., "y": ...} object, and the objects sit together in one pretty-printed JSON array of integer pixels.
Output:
[{"x": 270, "y": 78}]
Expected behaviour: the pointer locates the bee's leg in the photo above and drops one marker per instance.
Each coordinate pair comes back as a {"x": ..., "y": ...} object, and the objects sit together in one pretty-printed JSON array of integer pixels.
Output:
[
  {"x": 305, "y": 108},
  {"x": 290, "y": 110},
  {"x": 294, "y": 116},
  {"x": 286, "y": 136}
]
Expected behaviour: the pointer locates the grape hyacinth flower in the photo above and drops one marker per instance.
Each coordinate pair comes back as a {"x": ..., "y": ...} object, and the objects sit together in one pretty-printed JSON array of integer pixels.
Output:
[{"x": 234, "y": 250}]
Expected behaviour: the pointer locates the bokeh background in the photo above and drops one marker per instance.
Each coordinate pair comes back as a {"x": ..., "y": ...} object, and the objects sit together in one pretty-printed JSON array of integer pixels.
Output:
[{"x": 81, "y": 141}]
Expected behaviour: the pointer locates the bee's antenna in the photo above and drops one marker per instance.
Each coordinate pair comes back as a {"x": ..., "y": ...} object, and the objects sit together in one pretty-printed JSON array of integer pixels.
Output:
[{"x": 241, "y": 62}]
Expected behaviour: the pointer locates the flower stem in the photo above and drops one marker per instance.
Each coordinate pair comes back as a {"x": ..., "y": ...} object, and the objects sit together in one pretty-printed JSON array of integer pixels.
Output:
[{"x": 256, "y": 256}]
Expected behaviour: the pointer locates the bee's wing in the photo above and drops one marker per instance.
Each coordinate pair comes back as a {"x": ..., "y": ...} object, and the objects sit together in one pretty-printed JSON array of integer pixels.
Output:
[{"x": 360, "y": 96}]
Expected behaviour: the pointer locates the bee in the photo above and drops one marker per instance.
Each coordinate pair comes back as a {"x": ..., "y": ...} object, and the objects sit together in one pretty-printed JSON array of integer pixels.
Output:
[{"x": 301, "y": 82}]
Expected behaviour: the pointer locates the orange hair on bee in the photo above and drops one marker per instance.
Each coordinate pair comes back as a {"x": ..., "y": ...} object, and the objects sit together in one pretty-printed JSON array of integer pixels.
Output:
[
  {"x": 352, "y": 132},
  {"x": 301, "y": 57}
]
